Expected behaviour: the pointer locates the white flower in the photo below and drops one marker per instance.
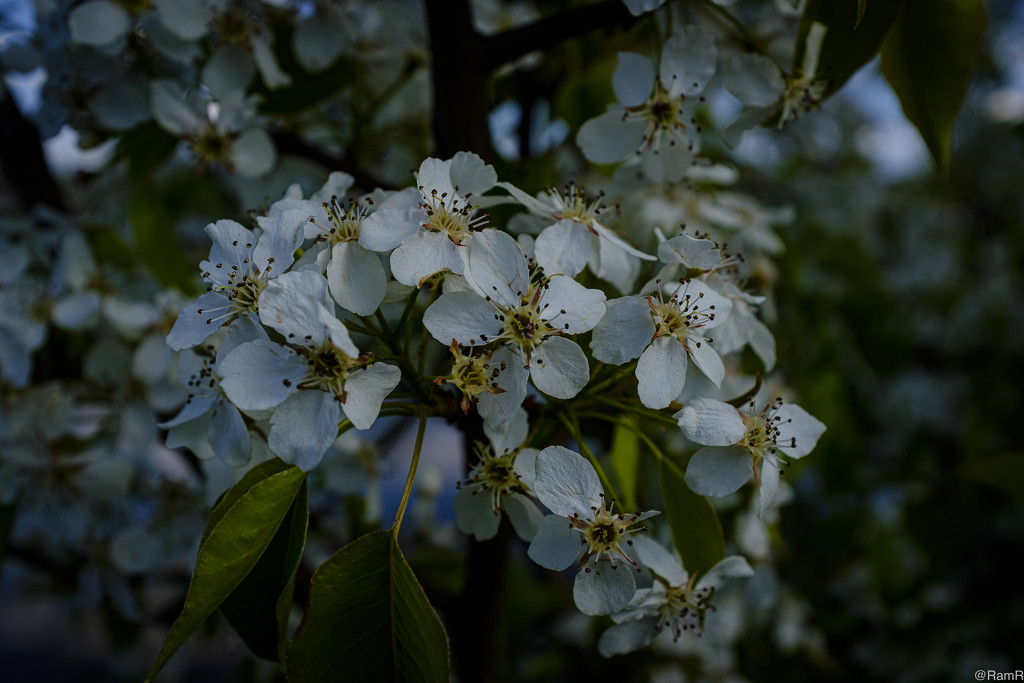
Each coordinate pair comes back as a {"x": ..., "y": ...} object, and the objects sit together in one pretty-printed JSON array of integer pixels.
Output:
[
  {"x": 583, "y": 528},
  {"x": 663, "y": 334},
  {"x": 220, "y": 132},
  {"x": 504, "y": 473},
  {"x": 208, "y": 424},
  {"x": 428, "y": 231},
  {"x": 654, "y": 118},
  {"x": 527, "y": 311},
  {"x": 759, "y": 82},
  {"x": 674, "y": 603},
  {"x": 311, "y": 384},
  {"x": 578, "y": 236},
  {"x": 357, "y": 279},
  {"x": 741, "y": 444},
  {"x": 238, "y": 270}
]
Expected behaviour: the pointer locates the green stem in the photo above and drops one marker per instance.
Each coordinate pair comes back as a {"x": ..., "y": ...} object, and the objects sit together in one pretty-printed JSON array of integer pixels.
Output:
[
  {"x": 568, "y": 418},
  {"x": 421, "y": 428}
]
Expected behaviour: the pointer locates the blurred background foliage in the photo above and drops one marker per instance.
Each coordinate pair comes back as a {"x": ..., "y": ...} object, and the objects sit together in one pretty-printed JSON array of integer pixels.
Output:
[{"x": 900, "y": 324}]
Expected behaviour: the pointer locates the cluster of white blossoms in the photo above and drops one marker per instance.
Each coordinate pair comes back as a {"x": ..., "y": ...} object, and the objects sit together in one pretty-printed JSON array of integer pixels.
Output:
[{"x": 521, "y": 327}]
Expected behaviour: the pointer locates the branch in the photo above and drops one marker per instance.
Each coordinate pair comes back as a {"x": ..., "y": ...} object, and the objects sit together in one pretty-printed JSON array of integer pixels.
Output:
[
  {"x": 294, "y": 146},
  {"x": 22, "y": 160},
  {"x": 545, "y": 33}
]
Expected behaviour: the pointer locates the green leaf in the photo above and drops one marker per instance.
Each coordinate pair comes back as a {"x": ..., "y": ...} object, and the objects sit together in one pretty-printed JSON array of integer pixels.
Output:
[
  {"x": 155, "y": 240},
  {"x": 928, "y": 58},
  {"x": 233, "y": 546},
  {"x": 695, "y": 527},
  {"x": 1004, "y": 471},
  {"x": 234, "y": 494},
  {"x": 258, "y": 609},
  {"x": 854, "y": 36},
  {"x": 625, "y": 460},
  {"x": 368, "y": 620}
]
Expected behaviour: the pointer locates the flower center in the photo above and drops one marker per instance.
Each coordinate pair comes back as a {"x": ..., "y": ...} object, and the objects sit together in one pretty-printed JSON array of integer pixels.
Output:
[
  {"x": 681, "y": 313},
  {"x": 344, "y": 223},
  {"x": 496, "y": 473},
  {"x": 762, "y": 436},
  {"x": 444, "y": 214},
  {"x": 243, "y": 289},
  {"x": 329, "y": 367},
  {"x": 605, "y": 534},
  {"x": 572, "y": 204},
  {"x": 213, "y": 146},
  {"x": 472, "y": 375},
  {"x": 683, "y": 609}
]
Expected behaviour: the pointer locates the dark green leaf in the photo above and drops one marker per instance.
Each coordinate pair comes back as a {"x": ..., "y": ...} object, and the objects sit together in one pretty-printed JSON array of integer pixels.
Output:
[
  {"x": 929, "y": 58},
  {"x": 234, "y": 494},
  {"x": 155, "y": 240},
  {"x": 230, "y": 550},
  {"x": 625, "y": 459},
  {"x": 253, "y": 608},
  {"x": 695, "y": 527},
  {"x": 1004, "y": 471},
  {"x": 368, "y": 620},
  {"x": 854, "y": 36}
]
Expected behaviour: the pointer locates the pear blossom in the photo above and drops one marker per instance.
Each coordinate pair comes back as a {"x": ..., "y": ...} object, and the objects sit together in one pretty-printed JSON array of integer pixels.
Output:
[
  {"x": 219, "y": 132},
  {"x": 583, "y": 529},
  {"x": 526, "y": 310},
  {"x": 741, "y": 444},
  {"x": 758, "y": 81},
  {"x": 500, "y": 481},
  {"x": 665, "y": 335},
  {"x": 356, "y": 276},
  {"x": 578, "y": 236},
  {"x": 238, "y": 270},
  {"x": 311, "y": 384},
  {"x": 491, "y": 379},
  {"x": 675, "y": 603},
  {"x": 654, "y": 116},
  {"x": 428, "y": 231},
  {"x": 208, "y": 424}
]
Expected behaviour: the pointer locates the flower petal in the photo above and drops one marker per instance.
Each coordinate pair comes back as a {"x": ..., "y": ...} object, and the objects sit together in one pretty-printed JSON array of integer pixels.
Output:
[
  {"x": 628, "y": 636},
  {"x": 356, "y": 278},
  {"x": 566, "y": 483},
  {"x": 462, "y": 316},
  {"x": 303, "y": 428},
  {"x": 718, "y": 471},
  {"x": 633, "y": 79},
  {"x": 524, "y": 515},
  {"x": 602, "y": 588},
  {"x": 624, "y": 331},
  {"x": 563, "y": 248},
  {"x": 555, "y": 545},
  {"x": 610, "y": 137},
  {"x": 799, "y": 431},
  {"x": 474, "y": 512},
  {"x": 366, "y": 389},
  {"x": 559, "y": 368},
  {"x": 711, "y": 423},
  {"x": 661, "y": 372},
  {"x": 279, "y": 370}
]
